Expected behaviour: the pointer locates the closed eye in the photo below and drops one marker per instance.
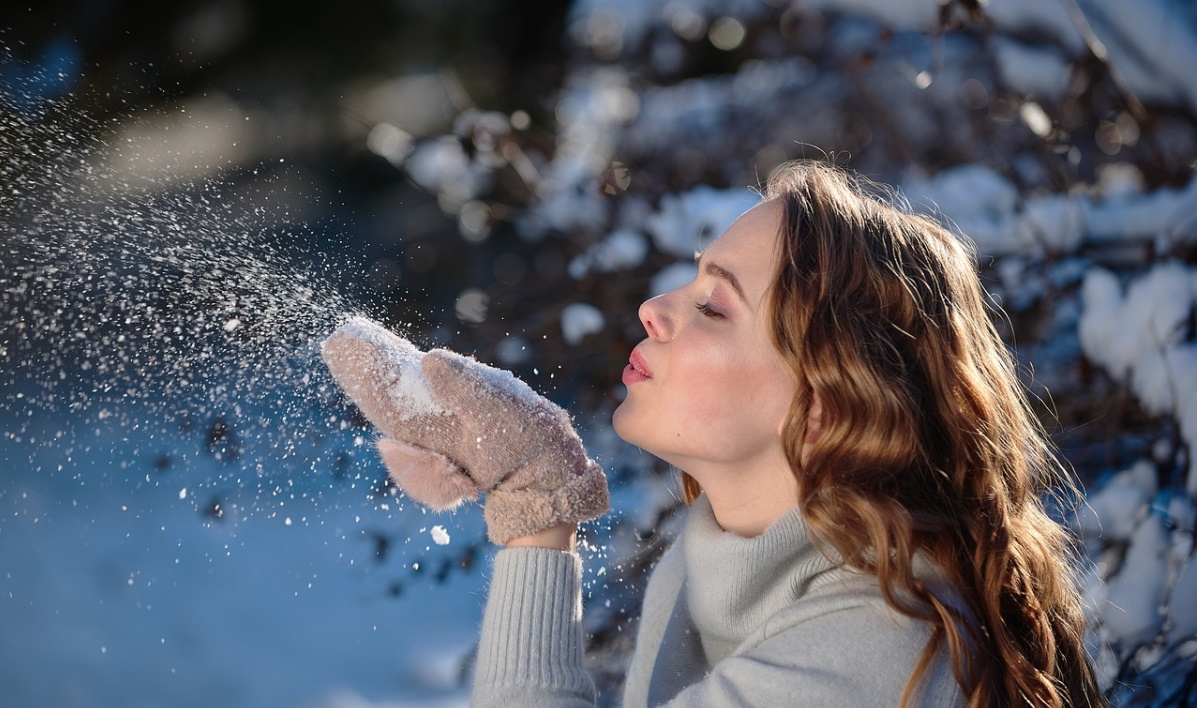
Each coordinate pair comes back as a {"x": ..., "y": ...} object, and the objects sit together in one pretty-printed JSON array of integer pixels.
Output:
[{"x": 707, "y": 310}]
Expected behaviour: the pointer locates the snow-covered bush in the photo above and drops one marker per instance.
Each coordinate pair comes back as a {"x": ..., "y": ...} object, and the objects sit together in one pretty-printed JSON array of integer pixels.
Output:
[{"x": 1059, "y": 137}]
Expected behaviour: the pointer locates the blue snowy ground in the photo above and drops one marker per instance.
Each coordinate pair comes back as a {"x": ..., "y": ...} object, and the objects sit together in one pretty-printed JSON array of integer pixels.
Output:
[{"x": 119, "y": 590}]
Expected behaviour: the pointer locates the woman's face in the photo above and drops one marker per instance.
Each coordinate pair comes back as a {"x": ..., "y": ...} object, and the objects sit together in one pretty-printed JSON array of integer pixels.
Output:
[{"x": 707, "y": 385}]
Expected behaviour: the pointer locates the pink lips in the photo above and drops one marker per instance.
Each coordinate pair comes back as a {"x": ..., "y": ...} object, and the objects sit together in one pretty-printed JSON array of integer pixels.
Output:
[{"x": 636, "y": 370}]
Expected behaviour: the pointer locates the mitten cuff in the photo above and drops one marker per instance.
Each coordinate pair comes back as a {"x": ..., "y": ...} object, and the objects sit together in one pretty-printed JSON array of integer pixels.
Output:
[{"x": 520, "y": 512}]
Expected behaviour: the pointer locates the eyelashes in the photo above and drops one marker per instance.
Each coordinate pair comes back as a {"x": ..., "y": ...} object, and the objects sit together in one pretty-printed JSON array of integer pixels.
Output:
[{"x": 707, "y": 311}]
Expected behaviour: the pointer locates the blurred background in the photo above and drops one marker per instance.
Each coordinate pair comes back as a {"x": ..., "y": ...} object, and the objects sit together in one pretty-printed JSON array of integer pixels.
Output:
[{"x": 193, "y": 194}]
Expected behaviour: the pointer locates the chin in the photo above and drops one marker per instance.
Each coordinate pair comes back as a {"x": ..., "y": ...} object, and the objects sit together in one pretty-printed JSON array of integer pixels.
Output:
[
  {"x": 632, "y": 430},
  {"x": 619, "y": 421}
]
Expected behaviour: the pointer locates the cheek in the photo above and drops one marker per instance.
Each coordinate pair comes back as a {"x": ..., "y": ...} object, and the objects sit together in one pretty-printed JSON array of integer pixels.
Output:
[
  {"x": 758, "y": 393},
  {"x": 775, "y": 388},
  {"x": 723, "y": 389}
]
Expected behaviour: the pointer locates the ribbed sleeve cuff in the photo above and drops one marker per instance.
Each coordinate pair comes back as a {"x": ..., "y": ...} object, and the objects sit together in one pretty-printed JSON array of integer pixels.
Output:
[{"x": 532, "y": 629}]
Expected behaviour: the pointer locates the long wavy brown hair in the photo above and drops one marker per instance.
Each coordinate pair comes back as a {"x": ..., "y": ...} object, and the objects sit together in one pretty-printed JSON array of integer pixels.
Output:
[{"x": 927, "y": 444}]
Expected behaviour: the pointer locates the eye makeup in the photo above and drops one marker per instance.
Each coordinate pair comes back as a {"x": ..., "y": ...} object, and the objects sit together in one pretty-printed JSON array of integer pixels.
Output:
[{"x": 708, "y": 311}]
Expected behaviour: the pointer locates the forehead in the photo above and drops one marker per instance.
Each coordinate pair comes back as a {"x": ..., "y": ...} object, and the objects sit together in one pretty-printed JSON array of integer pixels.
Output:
[{"x": 749, "y": 247}]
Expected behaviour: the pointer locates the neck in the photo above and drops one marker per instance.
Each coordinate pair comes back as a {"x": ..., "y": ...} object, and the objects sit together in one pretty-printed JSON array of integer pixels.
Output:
[{"x": 746, "y": 500}]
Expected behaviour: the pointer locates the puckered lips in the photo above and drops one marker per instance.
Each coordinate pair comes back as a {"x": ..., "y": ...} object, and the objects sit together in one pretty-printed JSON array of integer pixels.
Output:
[{"x": 636, "y": 370}]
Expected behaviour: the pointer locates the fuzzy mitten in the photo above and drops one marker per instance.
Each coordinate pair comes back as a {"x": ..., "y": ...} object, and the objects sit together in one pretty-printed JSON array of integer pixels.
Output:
[{"x": 456, "y": 428}]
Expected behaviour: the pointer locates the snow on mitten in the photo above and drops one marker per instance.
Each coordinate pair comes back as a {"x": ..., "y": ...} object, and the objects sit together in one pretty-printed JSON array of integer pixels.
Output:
[{"x": 456, "y": 428}]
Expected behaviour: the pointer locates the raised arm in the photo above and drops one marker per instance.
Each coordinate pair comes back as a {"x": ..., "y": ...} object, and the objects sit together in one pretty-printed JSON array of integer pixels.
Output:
[{"x": 455, "y": 429}]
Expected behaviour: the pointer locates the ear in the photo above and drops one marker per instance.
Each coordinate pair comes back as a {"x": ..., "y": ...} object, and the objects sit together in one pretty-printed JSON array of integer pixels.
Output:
[
  {"x": 814, "y": 426},
  {"x": 814, "y": 420}
]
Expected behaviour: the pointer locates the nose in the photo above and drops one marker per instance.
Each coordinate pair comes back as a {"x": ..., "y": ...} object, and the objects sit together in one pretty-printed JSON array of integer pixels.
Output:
[{"x": 655, "y": 316}]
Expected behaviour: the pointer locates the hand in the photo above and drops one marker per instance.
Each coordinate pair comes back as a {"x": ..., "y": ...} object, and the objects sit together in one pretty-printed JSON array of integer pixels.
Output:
[{"x": 456, "y": 428}]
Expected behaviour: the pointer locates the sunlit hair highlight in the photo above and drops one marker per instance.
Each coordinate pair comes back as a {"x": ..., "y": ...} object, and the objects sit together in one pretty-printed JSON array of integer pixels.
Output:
[{"x": 927, "y": 443}]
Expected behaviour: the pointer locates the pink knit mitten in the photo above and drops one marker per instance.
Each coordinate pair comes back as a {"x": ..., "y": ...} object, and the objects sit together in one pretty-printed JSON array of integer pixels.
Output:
[{"x": 456, "y": 428}]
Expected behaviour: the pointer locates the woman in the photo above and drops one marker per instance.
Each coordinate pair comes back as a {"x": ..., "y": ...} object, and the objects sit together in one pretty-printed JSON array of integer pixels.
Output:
[{"x": 862, "y": 467}]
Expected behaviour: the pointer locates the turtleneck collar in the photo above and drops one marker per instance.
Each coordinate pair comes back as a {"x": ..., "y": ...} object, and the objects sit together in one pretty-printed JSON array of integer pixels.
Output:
[{"x": 734, "y": 584}]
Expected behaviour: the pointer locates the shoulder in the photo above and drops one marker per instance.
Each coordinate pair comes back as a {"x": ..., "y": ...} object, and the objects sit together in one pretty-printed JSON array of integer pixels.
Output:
[
  {"x": 843, "y": 603},
  {"x": 850, "y": 599},
  {"x": 838, "y": 647},
  {"x": 844, "y": 631},
  {"x": 846, "y": 670}
]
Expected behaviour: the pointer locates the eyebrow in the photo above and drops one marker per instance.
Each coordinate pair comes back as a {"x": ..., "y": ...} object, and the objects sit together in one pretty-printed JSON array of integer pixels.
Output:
[{"x": 718, "y": 271}]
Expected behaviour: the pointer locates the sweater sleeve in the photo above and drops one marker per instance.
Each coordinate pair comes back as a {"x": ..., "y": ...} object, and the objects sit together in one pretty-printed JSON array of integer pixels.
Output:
[{"x": 530, "y": 652}]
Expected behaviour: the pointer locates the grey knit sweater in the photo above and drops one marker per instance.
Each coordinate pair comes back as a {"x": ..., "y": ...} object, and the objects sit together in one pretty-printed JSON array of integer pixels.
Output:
[{"x": 727, "y": 621}]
